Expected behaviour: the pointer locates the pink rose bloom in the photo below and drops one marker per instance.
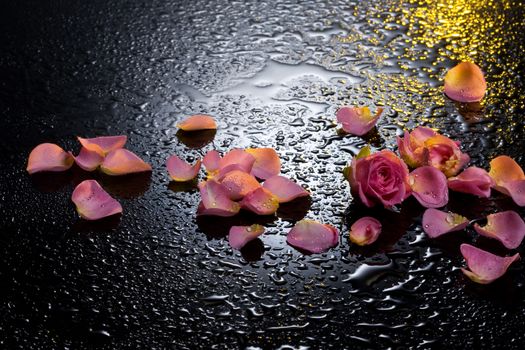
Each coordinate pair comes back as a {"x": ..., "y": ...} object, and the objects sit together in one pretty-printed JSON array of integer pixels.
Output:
[{"x": 378, "y": 178}]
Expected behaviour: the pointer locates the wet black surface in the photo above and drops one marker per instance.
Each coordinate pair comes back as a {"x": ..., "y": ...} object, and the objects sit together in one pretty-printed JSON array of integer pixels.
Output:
[{"x": 273, "y": 75}]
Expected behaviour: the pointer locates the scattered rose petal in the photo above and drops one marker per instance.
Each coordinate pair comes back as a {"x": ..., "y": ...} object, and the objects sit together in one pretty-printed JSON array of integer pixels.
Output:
[
  {"x": 49, "y": 157},
  {"x": 215, "y": 200},
  {"x": 465, "y": 83},
  {"x": 105, "y": 143},
  {"x": 92, "y": 202},
  {"x": 267, "y": 162},
  {"x": 437, "y": 222},
  {"x": 260, "y": 201},
  {"x": 236, "y": 159},
  {"x": 238, "y": 184},
  {"x": 429, "y": 186},
  {"x": 284, "y": 189},
  {"x": 240, "y": 235},
  {"x": 122, "y": 162},
  {"x": 444, "y": 154},
  {"x": 472, "y": 180},
  {"x": 357, "y": 120},
  {"x": 507, "y": 227},
  {"x": 313, "y": 236},
  {"x": 508, "y": 178},
  {"x": 197, "y": 122},
  {"x": 211, "y": 161},
  {"x": 365, "y": 231},
  {"x": 181, "y": 171},
  {"x": 90, "y": 157},
  {"x": 485, "y": 267}
]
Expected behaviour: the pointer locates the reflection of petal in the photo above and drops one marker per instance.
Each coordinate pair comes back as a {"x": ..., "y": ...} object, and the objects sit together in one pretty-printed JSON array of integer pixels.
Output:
[
  {"x": 485, "y": 267},
  {"x": 127, "y": 186}
]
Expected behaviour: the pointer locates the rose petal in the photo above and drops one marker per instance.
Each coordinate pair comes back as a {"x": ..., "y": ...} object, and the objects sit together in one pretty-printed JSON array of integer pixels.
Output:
[
  {"x": 240, "y": 235},
  {"x": 357, "y": 120},
  {"x": 261, "y": 202},
  {"x": 313, "y": 236},
  {"x": 236, "y": 158},
  {"x": 211, "y": 161},
  {"x": 122, "y": 162},
  {"x": 49, "y": 157},
  {"x": 437, "y": 222},
  {"x": 465, "y": 83},
  {"x": 238, "y": 184},
  {"x": 92, "y": 202},
  {"x": 445, "y": 155},
  {"x": 90, "y": 158},
  {"x": 284, "y": 189},
  {"x": 516, "y": 190},
  {"x": 484, "y": 266},
  {"x": 504, "y": 169},
  {"x": 106, "y": 143},
  {"x": 267, "y": 162},
  {"x": 429, "y": 186},
  {"x": 215, "y": 200},
  {"x": 197, "y": 122},
  {"x": 365, "y": 231},
  {"x": 472, "y": 180},
  {"x": 507, "y": 227},
  {"x": 181, "y": 171}
]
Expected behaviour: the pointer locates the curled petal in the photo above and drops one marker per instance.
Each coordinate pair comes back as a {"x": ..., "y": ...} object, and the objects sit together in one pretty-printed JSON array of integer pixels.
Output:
[
  {"x": 284, "y": 189},
  {"x": 357, "y": 120},
  {"x": 365, "y": 231},
  {"x": 49, "y": 157},
  {"x": 445, "y": 155},
  {"x": 211, "y": 161},
  {"x": 504, "y": 169},
  {"x": 122, "y": 162},
  {"x": 238, "y": 184},
  {"x": 516, "y": 190},
  {"x": 240, "y": 235},
  {"x": 267, "y": 162},
  {"x": 437, "y": 222},
  {"x": 261, "y": 202},
  {"x": 237, "y": 158},
  {"x": 90, "y": 158},
  {"x": 92, "y": 202},
  {"x": 197, "y": 122},
  {"x": 429, "y": 186},
  {"x": 181, "y": 171},
  {"x": 485, "y": 267},
  {"x": 507, "y": 227},
  {"x": 472, "y": 180},
  {"x": 215, "y": 200},
  {"x": 312, "y": 236},
  {"x": 105, "y": 143},
  {"x": 465, "y": 83}
]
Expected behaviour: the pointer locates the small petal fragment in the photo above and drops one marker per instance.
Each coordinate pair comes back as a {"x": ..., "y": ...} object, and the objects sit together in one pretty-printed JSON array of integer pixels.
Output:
[
  {"x": 437, "y": 222},
  {"x": 122, "y": 162},
  {"x": 485, "y": 267},
  {"x": 284, "y": 189},
  {"x": 92, "y": 202},
  {"x": 215, "y": 200},
  {"x": 472, "y": 180},
  {"x": 365, "y": 231},
  {"x": 507, "y": 227},
  {"x": 90, "y": 158},
  {"x": 357, "y": 120},
  {"x": 429, "y": 186},
  {"x": 181, "y": 171},
  {"x": 267, "y": 162},
  {"x": 261, "y": 202},
  {"x": 49, "y": 157},
  {"x": 106, "y": 143},
  {"x": 240, "y": 235},
  {"x": 312, "y": 236},
  {"x": 211, "y": 161},
  {"x": 238, "y": 184},
  {"x": 465, "y": 83},
  {"x": 197, "y": 122}
]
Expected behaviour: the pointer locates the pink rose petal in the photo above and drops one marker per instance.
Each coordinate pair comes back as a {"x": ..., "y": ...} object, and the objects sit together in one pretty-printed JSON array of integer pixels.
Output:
[
  {"x": 484, "y": 266},
  {"x": 181, "y": 171},
  {"x": 240, "y": 235},
  {"x": 284, "y": 189},
  {"x": 122, "y": 162},
  {"x": 197, "y": 122},
  {"x": 508, "y": 178},
  {"x": 365, "y": 231},
  {"x": 215, "y": 200},
  {"x": 238, "y": 184},
  {"x": 92, "y": 202},
  {"x": 472, "y": 180},
  {"x": 211, "y": 161},
  {"x": 313, "y": 236},
  {"x": 261, "y": 202},
  {"x": 437, "y": 222},
  {"x": 90, "y": 158},
  {"x": 507, "y": 227},
  {"x": 357, "y": 120},
  {"x": 236, "y": 159},
  {"x": 429, "y": 186},
  {"x": 465, "y": 83},
  {"x": 106, "y": 143},
  {"x": 267, "y": 162},
  {"x": 49, "y": 157}
]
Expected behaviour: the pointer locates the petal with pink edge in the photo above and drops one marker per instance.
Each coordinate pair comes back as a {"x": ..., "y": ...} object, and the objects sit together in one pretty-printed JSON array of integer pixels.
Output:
[
  {"x": 312, "y": 236},
  {"x": 284, "y": 189},
  {"x": 197, "y": 122},
  {"x": 365, "y": 231},
  {"x": 238, "y": 184},
  {"x": 237, "y": 158},
  {"x": 429, "y": 186},
  {"x": 516, "y": 190},
  {"x": 211, "y": 161},
  {"x": 437, "y": 222},
  {"x": 472, "y": 180},
  {"x": 106, "y": 143},
  {"x": 267, "y": 162},
  {"x": 507, "y": 227},
  {"x": 122, "y": 162},
  {"x": 215, "y": 200},
  {"x": 465, "y": 83},
  {"x": 181, "y": 171},
  {"x": 485, "y": 267},
  {"x": 240, "y": 235},
  {"x": 92, "y": 202},
  {"x": 49, "y": 157},
  {"x": 90, "y": 157},
  {"x": 261, "y": 202},
  {"x": 357, "y": 120},
  {"x": 504, "y": 170}
]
